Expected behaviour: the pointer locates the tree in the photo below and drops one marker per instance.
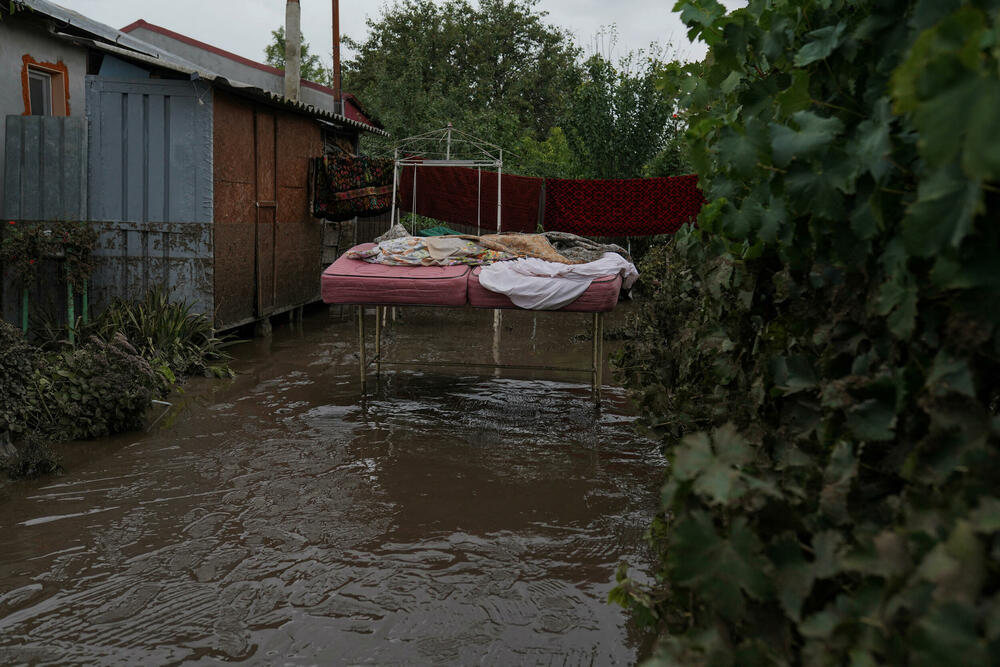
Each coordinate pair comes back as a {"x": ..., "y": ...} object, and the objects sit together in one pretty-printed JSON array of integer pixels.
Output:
[
  {"x": 617, "y": 119},
  {"x": 496, "y": 70},
  {"x": 310, "y": 68}
]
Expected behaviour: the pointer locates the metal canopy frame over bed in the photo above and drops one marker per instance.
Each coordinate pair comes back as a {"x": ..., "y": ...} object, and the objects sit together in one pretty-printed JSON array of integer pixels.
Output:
[
  {"x": 446, "y": 147},
  {"x": 449, "y": 147}
]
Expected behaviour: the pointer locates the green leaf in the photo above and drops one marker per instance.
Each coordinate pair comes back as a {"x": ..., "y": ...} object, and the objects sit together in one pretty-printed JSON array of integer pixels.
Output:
[
  {"x": 722, "y": 569},
  {"x": 837, "y": 481},
  {"x": 730, "y": 83},
  {"x": 814, "y": 133},
  {"x": 693, "y": 454},
  {"x": 897, "y": 298},
  {"x": 957, "y": 566},
  {"x": 713, "y": 463},
  {"x": 793, "y": 576},
  {"x": 796, "y": 97},
  {"x": 821, "y": 44},
  {"x": 793, "y": 374},
  {"x": 943, "y": 214},
  {"x": 738, "y": 151},
  {"x": 870, "y": 145},
  {"x": 872, "y": 420},
  {"x": 986, "y": 517},
  {"x": 826, "y": 553},
  {"x": 947, "y": 635},
  {"x": 950, "y": 374}
]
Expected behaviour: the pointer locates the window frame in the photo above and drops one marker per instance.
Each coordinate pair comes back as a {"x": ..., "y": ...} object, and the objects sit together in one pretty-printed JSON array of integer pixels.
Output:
[
  {"x": 57, "y": 90},
  {"x": 37, "y": 74}
]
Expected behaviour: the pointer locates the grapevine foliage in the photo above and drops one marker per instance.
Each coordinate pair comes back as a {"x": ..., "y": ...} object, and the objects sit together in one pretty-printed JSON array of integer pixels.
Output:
[{"x": 822, "y": 356}]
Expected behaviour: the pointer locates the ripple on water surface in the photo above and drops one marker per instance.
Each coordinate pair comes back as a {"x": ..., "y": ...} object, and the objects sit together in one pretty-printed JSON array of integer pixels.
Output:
[{"x": 277, "y": 518}]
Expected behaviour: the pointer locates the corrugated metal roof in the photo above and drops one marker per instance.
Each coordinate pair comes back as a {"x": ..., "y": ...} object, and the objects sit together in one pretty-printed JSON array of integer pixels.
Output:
[{"x": 110, "y": 40}]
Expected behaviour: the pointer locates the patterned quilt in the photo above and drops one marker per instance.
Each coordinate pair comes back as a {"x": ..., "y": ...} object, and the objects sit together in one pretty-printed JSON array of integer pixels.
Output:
[{"x": 347, "y": 186}]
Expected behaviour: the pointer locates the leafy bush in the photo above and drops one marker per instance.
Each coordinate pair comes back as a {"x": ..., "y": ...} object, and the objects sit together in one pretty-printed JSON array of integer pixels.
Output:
[
  {"x": 17, "y": 365},
  {"x": 33, "y": 458},
  {"x": 167, "y": 334},
  {"x": 97, "y": 389},
  {"x": 822, "y": 359}
]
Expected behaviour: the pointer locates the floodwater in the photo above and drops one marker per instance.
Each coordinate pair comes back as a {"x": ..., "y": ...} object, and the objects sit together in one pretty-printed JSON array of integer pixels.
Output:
[{"x": 277, "y": 518}]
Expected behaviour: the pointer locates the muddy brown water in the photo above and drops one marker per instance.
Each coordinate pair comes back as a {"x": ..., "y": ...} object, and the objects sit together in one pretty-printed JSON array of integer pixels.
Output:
[{"x": 277, "y": 518}]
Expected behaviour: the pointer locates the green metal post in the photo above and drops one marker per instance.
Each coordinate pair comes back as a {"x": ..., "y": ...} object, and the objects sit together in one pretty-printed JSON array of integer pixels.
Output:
[
  {"x": 24, "y": 311},
  {"x": 70, "y": 316},
  {"x": 86, "y": 304}
]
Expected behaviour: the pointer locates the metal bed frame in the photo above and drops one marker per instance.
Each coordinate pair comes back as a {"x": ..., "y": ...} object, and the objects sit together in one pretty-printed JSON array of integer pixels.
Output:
[
  {"x": 595, "y": 368},
  {"x": 449, "y": 147}
]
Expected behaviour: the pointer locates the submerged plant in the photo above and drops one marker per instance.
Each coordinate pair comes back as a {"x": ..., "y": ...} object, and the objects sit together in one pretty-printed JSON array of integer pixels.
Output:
[
  {"x": 96, "y": 389},
  {"x": 167, "y": 333},
  {"x": 32, "y": 459}
]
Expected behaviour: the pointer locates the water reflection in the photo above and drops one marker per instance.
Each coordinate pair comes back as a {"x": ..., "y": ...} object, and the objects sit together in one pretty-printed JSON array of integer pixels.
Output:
[{"x": 278, "y": 518}]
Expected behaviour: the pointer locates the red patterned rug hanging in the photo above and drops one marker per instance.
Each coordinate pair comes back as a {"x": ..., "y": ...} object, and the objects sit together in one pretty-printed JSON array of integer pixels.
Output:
[
  {"x": 452, "y": 194},
  {"x": 621, "y": 207}
]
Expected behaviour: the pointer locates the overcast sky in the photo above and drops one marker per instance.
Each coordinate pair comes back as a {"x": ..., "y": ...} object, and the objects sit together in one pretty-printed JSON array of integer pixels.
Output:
[{"x": 244, "y": 26}]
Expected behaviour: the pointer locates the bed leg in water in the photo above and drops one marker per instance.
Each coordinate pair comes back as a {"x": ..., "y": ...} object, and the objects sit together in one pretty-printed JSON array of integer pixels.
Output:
[
  {"x": 598, "y": 336},
  {"x": 378, "y": 340},
  {"x": 362, "y": 363}
]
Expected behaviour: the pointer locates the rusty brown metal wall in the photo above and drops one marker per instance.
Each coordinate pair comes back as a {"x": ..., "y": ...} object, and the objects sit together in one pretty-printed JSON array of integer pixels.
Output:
[
  {"x": 235, "y": 210},
  {"x": 299, "y": 240},
  {"x": 267, "y": 245}
]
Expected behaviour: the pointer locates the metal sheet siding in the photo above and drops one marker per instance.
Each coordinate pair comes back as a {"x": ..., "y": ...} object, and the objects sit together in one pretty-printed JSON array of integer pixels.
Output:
[
  {"x": 131, "y": 257},
  {"x": 235, "y": 213},
  {"x": 299, "y": 240},
  {"x": 267, "y": 258},
  {"x": 45, "y": 168},
  {"x": 151, "y": 188},
  {"x": 151, "y": 145}
]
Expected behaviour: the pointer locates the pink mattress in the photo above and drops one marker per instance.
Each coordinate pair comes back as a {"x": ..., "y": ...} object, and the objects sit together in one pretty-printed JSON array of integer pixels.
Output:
[
  {"x": 354, "y": 281},
  {"x": 600, "y": 297}
]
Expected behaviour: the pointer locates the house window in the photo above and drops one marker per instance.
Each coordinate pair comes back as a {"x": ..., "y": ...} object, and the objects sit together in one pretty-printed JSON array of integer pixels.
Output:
[
  {"x": 44, "y": 87},
  {"x": 39, "y": 92}
]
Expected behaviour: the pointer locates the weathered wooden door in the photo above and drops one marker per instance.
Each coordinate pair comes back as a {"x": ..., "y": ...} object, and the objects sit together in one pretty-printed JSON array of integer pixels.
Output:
[{"x": 267, "y": 201}]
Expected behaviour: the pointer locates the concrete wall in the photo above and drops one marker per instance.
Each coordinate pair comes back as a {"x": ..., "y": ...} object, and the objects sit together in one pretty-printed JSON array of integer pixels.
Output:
[
  {"x": 231, "y": 69},
  {"x": 21, "y": 34}
]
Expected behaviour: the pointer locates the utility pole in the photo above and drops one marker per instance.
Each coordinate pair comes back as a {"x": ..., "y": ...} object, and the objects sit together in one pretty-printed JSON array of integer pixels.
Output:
[{"x": 337, "y": 101}]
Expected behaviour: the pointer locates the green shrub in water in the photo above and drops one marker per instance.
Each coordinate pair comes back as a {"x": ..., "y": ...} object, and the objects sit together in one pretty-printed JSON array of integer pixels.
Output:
[
  {"x": 17, "y": 367},
  {"x": 33, "y": 458},
  {"x": 96, "y": 389},
  {"x": 167, "y": 334}
]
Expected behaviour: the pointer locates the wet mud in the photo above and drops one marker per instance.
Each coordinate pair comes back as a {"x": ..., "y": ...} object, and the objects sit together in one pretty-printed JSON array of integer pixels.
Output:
[{"x": 450, "y": 517}]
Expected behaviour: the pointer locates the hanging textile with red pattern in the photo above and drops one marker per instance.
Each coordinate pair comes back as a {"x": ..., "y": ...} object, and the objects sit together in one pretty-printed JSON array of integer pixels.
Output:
[
  {"x": 621, "y": 207},
  {"x": 347, "y": 186},
  {"x": 452, "y": 194}
]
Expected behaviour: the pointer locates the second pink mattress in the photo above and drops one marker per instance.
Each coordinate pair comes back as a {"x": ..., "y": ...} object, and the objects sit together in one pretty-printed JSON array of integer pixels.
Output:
[
  {"x": 600, "y": 297},
  {"x": 355, "y": 281}
]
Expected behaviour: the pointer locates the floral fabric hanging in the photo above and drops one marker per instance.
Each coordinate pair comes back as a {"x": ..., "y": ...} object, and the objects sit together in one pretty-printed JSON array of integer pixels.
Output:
[{"x": 345, "y": 187}]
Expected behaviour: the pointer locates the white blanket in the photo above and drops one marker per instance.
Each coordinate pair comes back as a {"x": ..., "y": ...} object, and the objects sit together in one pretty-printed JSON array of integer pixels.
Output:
[{"x": 539, "y": 285}]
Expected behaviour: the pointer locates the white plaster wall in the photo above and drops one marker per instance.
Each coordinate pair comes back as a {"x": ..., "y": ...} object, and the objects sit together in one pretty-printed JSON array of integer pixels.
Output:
[{"x": 20, "y": 34}]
